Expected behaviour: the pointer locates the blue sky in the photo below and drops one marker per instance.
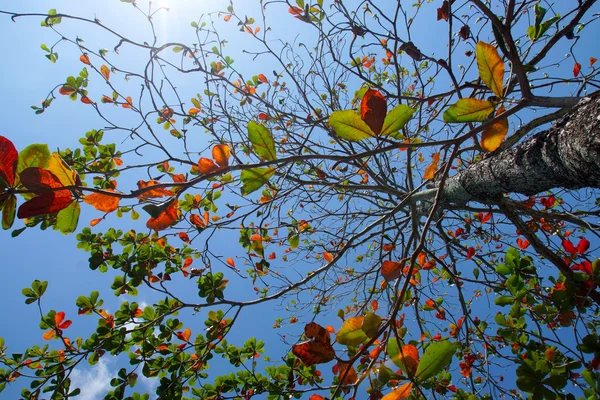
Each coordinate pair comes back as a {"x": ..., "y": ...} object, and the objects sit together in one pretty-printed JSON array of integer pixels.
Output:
[{"x": 26, "y": 79}]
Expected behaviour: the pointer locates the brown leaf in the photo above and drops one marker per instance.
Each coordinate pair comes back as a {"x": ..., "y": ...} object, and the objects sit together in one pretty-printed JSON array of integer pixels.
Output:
[
  {"x": 391, "y": 270},
  {"x": 314, "y": 352},
  {"x": 315, "y": 331},
  {"x": 373, "y": 109},
  {"x": 442, "y": 12},
  {"x": 347, "y": 373}
]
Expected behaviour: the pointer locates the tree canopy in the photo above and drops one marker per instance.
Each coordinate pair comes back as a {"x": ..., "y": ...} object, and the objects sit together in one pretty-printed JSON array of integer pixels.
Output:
[{"x": 406, "y": 190}]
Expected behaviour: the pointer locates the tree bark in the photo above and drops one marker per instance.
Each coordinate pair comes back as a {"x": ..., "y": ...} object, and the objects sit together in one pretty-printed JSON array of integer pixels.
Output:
[{"x": 567, "y": 155}]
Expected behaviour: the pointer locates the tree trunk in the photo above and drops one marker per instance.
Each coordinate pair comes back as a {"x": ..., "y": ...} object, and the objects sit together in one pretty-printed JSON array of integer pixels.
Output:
[{"x": 567, "y": 155}]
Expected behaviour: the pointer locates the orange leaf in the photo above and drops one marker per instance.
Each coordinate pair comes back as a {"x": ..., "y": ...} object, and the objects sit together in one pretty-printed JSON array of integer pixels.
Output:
[
  {"x": 593, "y": 61},
  {"x": 430, "y": 170},
  {"x": 106, "y": 99},
  {"x": 84, "y": 59},
  {"x": 227, "y": 18},
  {"x": 263, "y": 78},
  {"x": 328, "y": 257},
  {"x": 207, "y": 166},
  {"x": 314, "y": 352},
  {"x": 184, "y": 237},
  {"x": 492, "y": 137},
  {"x": 48, "y": 334},
  {"x": 316, "y": 397},
  {"x": 86, "y": 100},
  {"x": 388, "y": 247},
  {"x": 185, "y": 335},
  {"x": 196, "y": 220},
  {"x": 128, "y": 103},
  {"x": 409, "y": 357},
  {"x": 153, "y": 193},
  {"x": 221, "y": 154},
  {"x": 193, "y": 111},
  {"x": 296, "y": 11},
  {"x": 402, "y": 393},
  {"x": 166, "y": 218},
  {"x": 96, "y": 221},
  {"x": 230, "y": 262},
  {"x": 430, "y": 303},
  {"x": 263, "y": 116},
  {"x": 102, "y": 202},
  {"x": 391, "y": 270},
  {"x": 373, "y": 109},
  {"x": 105, "y": 71}
]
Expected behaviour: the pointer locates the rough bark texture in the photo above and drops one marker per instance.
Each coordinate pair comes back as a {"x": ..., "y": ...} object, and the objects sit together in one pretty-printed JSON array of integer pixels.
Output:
[{"x": 567, "y": 155}]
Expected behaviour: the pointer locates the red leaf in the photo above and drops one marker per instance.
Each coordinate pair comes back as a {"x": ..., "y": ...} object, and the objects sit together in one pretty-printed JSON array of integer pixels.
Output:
[
  {"x": 373, "y": 109},
  {"x": 262, "y": 116},
  {"x": 569, "y": 247},
  {"x": 47, "y": 203},
  {"x": 314, "y": 352},
  {"x": 470, "y": 253},
  {"x": 522, "y": 243},
  {"x": 442, "y": 12},
  {"x": 65, "y": 90},
  {"x": 184, "y": 237},
  {"x": 263, "y": 78},
  {"x": 593, "y": 61},
  {"x": 583, "y": 246},
  {"x": 8, "y": 161},
  {"x": 576, "y": 69}
]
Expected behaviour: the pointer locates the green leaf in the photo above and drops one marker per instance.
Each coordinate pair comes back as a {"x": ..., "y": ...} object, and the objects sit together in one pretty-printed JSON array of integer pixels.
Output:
[
  {"x": 8, "y": 211},
  {"x": 67, "y": 218},
  {"x": 490, "y": 66},
  {"x": 254, "y": 178},
  {"x": 504, "y": 300},
  {"x": 437, "y": 356},
  {"x": 351, "y": 332},
  {"x": 34, "y": 155},
  {"x": 262, "y": 141},
  {"x": 396, "y": 119},
  {"x": 371, "y": 324},
  {"x": 294, "y": 241},
  {"x": 348, "y": 125},
  {"x": 469, "y": 110}
]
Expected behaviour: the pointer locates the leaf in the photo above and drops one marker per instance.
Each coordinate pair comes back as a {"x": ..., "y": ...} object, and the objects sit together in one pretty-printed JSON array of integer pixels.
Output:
[
  {"x": 391, "y": 270},
  {"x": 35, "y": 155},
  {"x": 328, "y": 257},
  {"x": 105, "y": 71},
  {"x": 167, "y": 217},
  {"x": 373, "y": 108},
  {"x": 102, "y": 202},
  {"x": 47, "y": 203},
  {"x": 576, "y": 69},
  {"x": 348, "y": 125},
  {"x": 262, "y": 141},
  {"x": 254, "y": 178},
  {"x": 207, "y": 166},
  {"x": 492, "y": 137},
  {"x": 152, "y": 193},
  {"x": 68, "y": 217},
  {"x": 66, "y": 176},
  {"x": 491, "y": 67},
  {"x": 314, "y": 352},
  {"x": 9, "y": 207},
  {"x": 407, "y": 359},
  {"x": 230, "y": 262},
  {"x": 40, "y": 181},
  {"x": 263, "y": 78},
  {"x": 396, "y": 119},
  {"x": 402, "y": 393},
  {"x": 8, "y": 161},
  {"x": 84, "y": 59},
  {"x": 357, "y": 330},
  {"x": 312, "y": 330},
  {"x": 371, "y": 324},
  {"x": 431, "y": 168},
  {"x": 221, "y": 154},
  {"x": 437, "y": 356},
  {"x": 469, "y": 110}
]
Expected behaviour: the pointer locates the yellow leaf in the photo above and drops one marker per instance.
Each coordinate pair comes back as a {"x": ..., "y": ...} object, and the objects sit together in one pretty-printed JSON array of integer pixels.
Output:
[
  {"x": 401, "y": 393},
  {"x": 61, "y": 170},
  {"x": 105, "y": 71},
  {"x": 492, "y": 137},
  {"x": 491, "y": 67}
]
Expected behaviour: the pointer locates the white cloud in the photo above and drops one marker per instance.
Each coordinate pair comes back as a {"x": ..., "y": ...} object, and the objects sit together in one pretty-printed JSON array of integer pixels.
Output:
[{"x": 94, "y": 382}]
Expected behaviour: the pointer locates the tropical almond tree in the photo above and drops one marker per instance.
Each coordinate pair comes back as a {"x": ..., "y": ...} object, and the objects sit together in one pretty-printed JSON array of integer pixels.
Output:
[{"x": 421, "y": 213}]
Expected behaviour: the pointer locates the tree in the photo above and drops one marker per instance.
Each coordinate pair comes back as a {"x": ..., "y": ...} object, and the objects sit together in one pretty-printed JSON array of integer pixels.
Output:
[{"x": 368, "y": 175}]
